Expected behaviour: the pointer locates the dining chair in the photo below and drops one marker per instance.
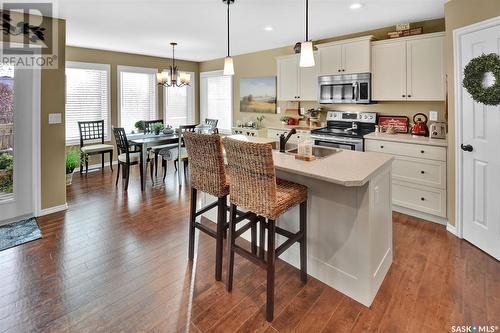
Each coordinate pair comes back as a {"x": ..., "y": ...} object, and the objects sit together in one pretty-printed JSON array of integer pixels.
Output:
[
  {"x": 126, "y": 157},
  {"x": 93, "y": 132},
  {"x": 213, "y": 124},
  {"x": 148, "y": 124}
]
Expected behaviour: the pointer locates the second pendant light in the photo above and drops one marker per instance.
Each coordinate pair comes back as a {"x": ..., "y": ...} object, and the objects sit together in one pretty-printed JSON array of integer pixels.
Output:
[
  {"x": 306, "y": 47},
  {"x": 228, "y": 61}
]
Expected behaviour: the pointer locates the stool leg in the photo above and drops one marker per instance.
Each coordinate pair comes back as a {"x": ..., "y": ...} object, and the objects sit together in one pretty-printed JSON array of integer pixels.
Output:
[
  {"x": 303, "y": 241},
  {"x": 156, "y": 164},
  {"x": 230, "y": 251},
  {"x": 102, "y": 162},
  {"x": 118, "y": 175},
  {"x": 111, "y": 160},
  {"x": 221, "y": 228},
  {"x": 254, "y": 235},
  {"x": 192, "y": 219},
  {"x": 271, "y": 234},
  {"x": 262, "y": 237}
]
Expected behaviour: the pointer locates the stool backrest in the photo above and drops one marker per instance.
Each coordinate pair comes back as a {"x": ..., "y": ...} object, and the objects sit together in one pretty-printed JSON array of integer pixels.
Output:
[
  {"x": 91, "y": 130},
  {"x": 252, "y": 175},
  {"x": 206, "y": 162},
  {"x": 148, "y": 124}
]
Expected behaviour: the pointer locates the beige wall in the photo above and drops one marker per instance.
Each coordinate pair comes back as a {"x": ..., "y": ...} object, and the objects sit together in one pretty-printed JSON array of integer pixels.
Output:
[
  {"x": 263, "y": 63},
  {"x": 127, "y": 59},
  {"x": 53, "y": 186},
  {"x": 460, "y": 13}
]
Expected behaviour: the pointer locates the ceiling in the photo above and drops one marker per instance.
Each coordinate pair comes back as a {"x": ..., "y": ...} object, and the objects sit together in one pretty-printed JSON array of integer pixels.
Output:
[{"x": 199, "y": 26}]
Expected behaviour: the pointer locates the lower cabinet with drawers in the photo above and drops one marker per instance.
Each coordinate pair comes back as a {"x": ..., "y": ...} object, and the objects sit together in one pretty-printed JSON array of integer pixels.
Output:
[{"x": 418, "y": 175}]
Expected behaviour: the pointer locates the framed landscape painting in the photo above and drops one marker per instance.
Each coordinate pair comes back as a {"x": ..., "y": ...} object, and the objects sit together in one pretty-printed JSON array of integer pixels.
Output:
[{"x": 258, "y": 94}]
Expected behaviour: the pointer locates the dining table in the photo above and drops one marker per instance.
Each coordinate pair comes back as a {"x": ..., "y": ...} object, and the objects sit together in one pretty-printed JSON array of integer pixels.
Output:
[{"x": 145, "y": 141}]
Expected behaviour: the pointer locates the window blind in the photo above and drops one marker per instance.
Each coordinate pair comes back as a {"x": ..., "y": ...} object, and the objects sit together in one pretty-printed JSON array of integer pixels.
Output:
[
  {"x": 176, "y": 106},
  {"x": 216, "y": 99},
  {"x": 137, "y": 97},
  {"x": 87, "y": 98}
]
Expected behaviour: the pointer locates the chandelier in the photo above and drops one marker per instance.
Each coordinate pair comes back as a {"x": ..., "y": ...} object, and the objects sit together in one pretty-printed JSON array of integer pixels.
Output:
[{"x": 172, "y": 77}]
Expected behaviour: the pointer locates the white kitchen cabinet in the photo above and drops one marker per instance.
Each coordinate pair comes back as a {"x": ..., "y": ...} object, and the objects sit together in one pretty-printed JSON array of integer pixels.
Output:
[
  {"x": 349, "y": 56},
  {"x": 296, "y": 83},
  {"x": 409, "y": 69}
]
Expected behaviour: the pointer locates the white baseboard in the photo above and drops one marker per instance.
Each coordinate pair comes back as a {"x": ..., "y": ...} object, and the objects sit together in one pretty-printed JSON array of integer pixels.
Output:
[
  {"x": 94, "y": 166},
  {"x": 52, "y": 210},
  {"x": 452, "y": 229},
  {"x": 420, "y": 215}
]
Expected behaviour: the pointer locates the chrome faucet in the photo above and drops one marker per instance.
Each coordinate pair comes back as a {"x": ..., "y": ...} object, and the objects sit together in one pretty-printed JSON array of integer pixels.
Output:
[{"x": 284, "y": 140}]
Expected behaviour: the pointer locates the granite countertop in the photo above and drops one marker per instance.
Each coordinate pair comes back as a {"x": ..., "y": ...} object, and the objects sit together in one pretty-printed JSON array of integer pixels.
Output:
[
  {"x": 345, "y": 167},
  {"x": 298, "y": 127},
  {"x": 407, "y": 138}
]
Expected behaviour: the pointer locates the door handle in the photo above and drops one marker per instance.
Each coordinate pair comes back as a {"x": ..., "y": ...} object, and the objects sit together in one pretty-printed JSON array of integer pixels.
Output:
[{"x": 468, "y": 148}]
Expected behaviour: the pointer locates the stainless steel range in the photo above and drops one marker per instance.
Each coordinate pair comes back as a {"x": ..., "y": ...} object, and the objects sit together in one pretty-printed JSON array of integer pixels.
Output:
[{"x": 345, "y": 130}]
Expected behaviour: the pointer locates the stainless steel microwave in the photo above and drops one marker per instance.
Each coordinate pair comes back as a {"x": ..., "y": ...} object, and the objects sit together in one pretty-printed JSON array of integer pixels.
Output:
[{"x": 347, "y": 88}]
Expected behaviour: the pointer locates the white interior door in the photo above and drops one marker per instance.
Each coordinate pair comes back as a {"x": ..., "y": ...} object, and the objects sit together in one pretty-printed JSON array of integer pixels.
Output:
[
  {"x": 481, "y": 166},
  {"x": 16, "y": 142}
]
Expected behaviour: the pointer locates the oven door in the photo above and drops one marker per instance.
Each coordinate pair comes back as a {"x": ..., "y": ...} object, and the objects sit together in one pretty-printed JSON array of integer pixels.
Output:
[{"x": 339, "y": 142}]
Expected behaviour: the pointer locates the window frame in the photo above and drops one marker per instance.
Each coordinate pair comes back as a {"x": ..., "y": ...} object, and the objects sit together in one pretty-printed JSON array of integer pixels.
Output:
[
  {"x": 191, "y": 118},
  {"x": 132, "y": 69},
  {"x": 90, "y": 66},
  {"x": 203, "y": 112}
]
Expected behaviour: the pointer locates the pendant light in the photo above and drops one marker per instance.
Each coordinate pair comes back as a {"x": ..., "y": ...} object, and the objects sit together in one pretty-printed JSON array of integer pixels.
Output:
[
  {"x": 306, "y": 47},
  {"x": 173, "y": 77},
  {"x": 228, "y": 61}
]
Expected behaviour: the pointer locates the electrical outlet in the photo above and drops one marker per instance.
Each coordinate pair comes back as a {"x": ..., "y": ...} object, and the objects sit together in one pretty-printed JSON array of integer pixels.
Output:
[
  {"x": 433, "y": 115},
  {"x": 55, "y": 118},
  {"x": 278, "y": 109},
  {"x": 302, "y": 111}
]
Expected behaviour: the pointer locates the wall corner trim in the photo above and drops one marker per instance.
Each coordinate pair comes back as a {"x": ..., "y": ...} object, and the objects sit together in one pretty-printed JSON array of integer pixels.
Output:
[
  {"x": 52, "y": 210},
  {"x": 452, "y": 229}
]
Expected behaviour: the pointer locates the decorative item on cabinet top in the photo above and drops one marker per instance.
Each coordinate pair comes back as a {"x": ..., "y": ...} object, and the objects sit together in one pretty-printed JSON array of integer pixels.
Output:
[{"x": 258, "y": 94}]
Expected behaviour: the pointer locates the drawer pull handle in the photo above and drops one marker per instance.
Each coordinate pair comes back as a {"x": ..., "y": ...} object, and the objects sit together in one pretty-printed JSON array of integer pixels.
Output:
[
  {"x": 382, "y": 147},
  {"x": 422, "y": 151},
  {"x": 423, "y": 199},
  {"x": 422, "y": 172}
]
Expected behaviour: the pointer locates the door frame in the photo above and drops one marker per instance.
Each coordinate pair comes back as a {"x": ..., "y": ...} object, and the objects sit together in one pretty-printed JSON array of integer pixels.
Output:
[
  {"x": 457, "y": 60},
  {"x": 36, "y": 143}
]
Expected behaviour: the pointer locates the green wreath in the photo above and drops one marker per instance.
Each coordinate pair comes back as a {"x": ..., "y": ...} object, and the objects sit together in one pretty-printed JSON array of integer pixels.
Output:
[{"x": 474, "y": 75}]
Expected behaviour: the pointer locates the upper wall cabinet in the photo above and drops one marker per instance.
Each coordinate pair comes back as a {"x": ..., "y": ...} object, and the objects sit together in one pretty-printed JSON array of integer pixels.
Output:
[
  {"x": 349, "y": 56},
  {"x": 296, "y": 83},
  {"x": 409, "y": 69}
]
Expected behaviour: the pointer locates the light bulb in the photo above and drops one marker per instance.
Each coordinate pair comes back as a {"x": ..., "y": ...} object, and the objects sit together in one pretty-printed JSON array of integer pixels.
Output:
[
  {"x": 306, "y": 54},
  {"x": 228, "y": 66}
]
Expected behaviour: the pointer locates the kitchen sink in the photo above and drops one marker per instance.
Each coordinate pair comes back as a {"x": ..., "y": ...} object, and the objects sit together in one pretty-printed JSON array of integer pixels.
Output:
[
  {"x": 317, "y": 151},
  {"x": 288, "y": 146}
]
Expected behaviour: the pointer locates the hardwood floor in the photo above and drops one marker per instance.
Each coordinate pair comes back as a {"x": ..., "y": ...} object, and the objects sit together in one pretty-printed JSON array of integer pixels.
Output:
[{"x": 117, "y": 262}]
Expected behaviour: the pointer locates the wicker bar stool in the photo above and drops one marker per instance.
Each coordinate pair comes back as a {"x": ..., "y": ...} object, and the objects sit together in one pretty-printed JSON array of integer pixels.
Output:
[
  {"x": 208, "y": 175},
  {"x": 254, "y": 187}
]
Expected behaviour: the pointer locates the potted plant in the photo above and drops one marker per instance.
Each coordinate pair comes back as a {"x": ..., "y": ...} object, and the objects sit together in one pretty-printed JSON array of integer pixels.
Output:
[
  {"x": 72, "y": 161},
  {"x": 157, "y": 128},
  {"x": 260, "y": 119},
  {"x": 139, "y": 125},
  {"x": 6, "y": 173}
]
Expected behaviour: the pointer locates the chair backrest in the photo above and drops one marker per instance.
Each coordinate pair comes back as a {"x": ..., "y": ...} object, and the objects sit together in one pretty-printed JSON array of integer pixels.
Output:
[
  {"x": 183, "y": 129},
  {"x": 252, "y": 175},
  {"x": 206, "y": 162},
  {"x": 91, "y": 130},
  {"x": 121, "y": 140},
  {"x": 213, "y": 124},
  {"x": 148, "y": 124}
]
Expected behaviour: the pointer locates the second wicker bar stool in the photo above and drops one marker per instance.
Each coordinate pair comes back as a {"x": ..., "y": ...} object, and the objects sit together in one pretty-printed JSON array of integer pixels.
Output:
[
  {"x": 254, "y": 187},
  {"x": 208, "y": 175}
]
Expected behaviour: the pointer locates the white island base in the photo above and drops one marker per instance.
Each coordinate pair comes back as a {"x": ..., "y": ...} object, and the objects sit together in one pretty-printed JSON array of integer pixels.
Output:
[{"x": 349, "y": 224}]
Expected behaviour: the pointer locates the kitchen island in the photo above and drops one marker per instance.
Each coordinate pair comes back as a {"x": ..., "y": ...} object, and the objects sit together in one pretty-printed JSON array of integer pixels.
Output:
[{"x": 349, "y": 220}]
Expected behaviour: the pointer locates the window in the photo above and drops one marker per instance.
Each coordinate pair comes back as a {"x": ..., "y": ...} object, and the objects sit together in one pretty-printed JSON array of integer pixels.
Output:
[
  {"x": 136, "y": 95},
  {"x": 178, "y": 104},
  {"x": 87, "y": 97},
  {"x": 216, "y": 99}
]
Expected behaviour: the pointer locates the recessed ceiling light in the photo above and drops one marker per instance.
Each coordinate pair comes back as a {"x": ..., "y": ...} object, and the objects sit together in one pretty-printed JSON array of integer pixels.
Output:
[
  {"x": 268, "y": 28},
  {"x": 355, "y": 6}
]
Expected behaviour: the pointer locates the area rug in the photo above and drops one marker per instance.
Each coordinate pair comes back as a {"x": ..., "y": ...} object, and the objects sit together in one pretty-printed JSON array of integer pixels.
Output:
[{"x": 18, "y": 233}]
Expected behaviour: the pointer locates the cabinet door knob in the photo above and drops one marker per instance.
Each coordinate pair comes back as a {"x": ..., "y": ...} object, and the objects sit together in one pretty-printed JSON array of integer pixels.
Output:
[
  {"x": 343, "y": 70},
  {"x": 339, "y": 70},
  {"x": 409, "y": 95},
  {"x": 423, "y": 199},
  {"x": 422, "y": 151},
  {"x": 382, "y": 147},
  {"x": 422, "y": 172},
  {"x": 403, "y": 95}
]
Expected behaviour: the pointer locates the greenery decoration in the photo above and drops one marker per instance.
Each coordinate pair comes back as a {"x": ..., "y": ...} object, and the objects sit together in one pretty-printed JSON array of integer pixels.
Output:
[
  {"x": 139, "y": 125},
  {"x": 474, "y": 74},
  {"x": 72, "y": 160},
  {"x": 157, "y": 127}
]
